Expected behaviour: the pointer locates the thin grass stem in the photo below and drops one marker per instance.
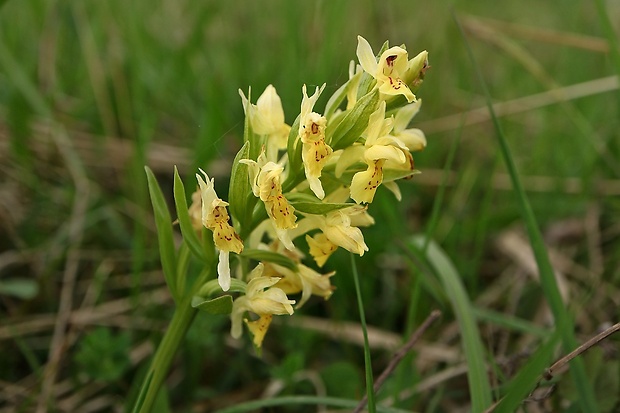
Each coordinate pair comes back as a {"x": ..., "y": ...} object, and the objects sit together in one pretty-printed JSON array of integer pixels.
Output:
[{"x": 367, "y": 361}]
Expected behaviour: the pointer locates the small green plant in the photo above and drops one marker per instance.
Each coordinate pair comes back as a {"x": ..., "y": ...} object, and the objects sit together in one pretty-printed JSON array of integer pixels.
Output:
[
  {"x": 293, "y": 188},
  {"x": 102, "y": 355}
]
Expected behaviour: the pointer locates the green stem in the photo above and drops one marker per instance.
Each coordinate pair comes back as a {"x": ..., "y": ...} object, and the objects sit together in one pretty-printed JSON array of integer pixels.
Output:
[
  {"x": 370, "y": 393},
  {"x": 181, "y": 320}
]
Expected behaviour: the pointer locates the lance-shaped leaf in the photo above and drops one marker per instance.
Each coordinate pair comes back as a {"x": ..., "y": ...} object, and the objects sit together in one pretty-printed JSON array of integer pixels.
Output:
[
  {"x": 188, "y": 231},
  {"x": 219, "y": 305},
  {"x": 354, "y": 122},
  {"x": 240, "y": 206},
  {"x": 294, "y": 155},
  {"x": 163, "y": 223},
  {"x": 295, "y": 165}
]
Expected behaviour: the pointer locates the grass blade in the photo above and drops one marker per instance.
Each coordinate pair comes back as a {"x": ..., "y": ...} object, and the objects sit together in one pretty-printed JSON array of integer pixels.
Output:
[
  {"x": 479, "y": 387},
  {"x": 301, "y": 400},
  {"x": 370, "y": 393},
  {"x": 548, "y": 282}
]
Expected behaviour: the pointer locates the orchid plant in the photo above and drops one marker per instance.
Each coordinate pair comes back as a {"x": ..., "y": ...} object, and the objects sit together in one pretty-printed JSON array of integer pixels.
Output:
[{"x": 311, "y": 181}]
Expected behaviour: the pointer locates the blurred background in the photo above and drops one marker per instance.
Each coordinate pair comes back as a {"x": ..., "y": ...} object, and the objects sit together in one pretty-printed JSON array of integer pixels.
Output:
[{"x": 92, "y": 91}]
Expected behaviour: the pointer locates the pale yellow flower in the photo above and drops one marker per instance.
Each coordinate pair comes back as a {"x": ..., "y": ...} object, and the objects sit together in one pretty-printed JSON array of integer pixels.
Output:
[
  {"x": 267, "y": 118},
  {"x": 265, "y": 178},
  {"x": 263, "y": 299},
  {"x": 315, "y": 151},
  {"x": 215, "y": 217},
  {"x": 305, "y": 280},
  {"x": 389, "y": 71},
  {"x": 380, "y": 147},
  {"x": 338, "y": 230}
]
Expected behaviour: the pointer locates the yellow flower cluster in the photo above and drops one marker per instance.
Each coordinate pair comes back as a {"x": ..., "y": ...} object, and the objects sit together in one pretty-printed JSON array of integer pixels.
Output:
[{"x": 296, "y": 182}]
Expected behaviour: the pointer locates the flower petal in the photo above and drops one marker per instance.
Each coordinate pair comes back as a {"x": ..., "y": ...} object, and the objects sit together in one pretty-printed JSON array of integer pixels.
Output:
[
  {"x": 387, "y": 152},
  {"x": 349, "y": 156},
  {"x": 405, "y": 114},
  {"x": 366, "y": 56},
  {"x": 259, "y": 328},
  {"x": 223, "y": 271},
  {"x": 393, "y": 187},
  {"x": 414, "y": 139},
  {"x": 365, "y": 183}
]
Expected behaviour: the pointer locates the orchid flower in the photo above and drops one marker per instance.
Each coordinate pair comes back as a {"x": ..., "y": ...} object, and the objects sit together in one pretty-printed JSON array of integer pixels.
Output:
[
  {"x": 315, "y": 151},
  {"x": 267, "y": 118},
  {"x": 263, "y": 299},
  {"x": 389, "y": 71},
  {"x": 215, "y": 218},
  {"x": 265, "y": 178}
]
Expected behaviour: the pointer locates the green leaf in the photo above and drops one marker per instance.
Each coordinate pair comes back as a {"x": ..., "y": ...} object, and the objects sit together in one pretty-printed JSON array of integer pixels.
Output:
[
  {"x": 183, "y": 258},
  {"x": 22, "y": 288},
  {"x": 240, "y": 205},
  {"x": 354, "y": 122},
  {"x": 188, "y": 231},
  {"x": 336, "y": 99},
  {"x": 163, "y": 223},
  {"x": 294, "y": 155},
  {"x": 318, "y": 208},
  {"x": 270, "y": 256},
  {"x": 479, "y": 387},
  {"x": 219, "y": 305}
]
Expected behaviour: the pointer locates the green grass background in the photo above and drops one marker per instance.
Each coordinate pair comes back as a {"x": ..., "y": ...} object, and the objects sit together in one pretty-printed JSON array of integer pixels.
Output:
[{"x": 92, "y": 91}]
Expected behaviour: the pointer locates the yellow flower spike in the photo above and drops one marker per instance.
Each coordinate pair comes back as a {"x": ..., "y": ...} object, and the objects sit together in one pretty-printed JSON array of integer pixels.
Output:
[
  {"x": 315, "y": 151},
  {"x": 215, "y": 218},
  {"x": 389, "y": 71}
]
